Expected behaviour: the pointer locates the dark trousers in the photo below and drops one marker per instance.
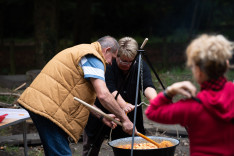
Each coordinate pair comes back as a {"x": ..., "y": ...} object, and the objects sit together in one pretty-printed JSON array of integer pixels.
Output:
[
  {"x": 53, "y": 138},
  {"x": 88, "y": 141}
]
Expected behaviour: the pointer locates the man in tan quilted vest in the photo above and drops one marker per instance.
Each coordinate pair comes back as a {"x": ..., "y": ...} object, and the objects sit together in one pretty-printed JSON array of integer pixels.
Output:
[{"x": 74, "y": 72}]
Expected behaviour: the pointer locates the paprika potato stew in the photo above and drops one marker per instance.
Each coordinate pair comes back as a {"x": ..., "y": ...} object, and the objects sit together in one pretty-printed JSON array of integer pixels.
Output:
[{"x": 163, "y": 144}]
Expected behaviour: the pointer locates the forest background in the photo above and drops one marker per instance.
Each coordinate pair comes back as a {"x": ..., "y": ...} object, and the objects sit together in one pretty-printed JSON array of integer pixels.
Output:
[{"x": 33, "y": 31}]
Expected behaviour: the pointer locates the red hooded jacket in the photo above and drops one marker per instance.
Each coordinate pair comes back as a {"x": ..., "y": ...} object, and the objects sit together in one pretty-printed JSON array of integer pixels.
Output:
[{"x": 210, "y": 123}]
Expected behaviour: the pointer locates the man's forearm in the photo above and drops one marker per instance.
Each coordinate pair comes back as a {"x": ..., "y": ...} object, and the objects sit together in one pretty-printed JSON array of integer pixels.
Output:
[
  {"x": 107, "y": 99},
  {"x": 94, "y": 113},
  {"x": 111, "y": 104}
]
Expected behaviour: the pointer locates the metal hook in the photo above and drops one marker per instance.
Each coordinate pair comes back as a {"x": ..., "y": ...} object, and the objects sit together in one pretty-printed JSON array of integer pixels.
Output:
[{"x": 142, "y": 103}]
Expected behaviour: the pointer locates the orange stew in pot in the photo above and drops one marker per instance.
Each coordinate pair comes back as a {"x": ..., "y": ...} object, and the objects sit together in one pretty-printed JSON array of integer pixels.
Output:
[{"x": 163, "y": 144}]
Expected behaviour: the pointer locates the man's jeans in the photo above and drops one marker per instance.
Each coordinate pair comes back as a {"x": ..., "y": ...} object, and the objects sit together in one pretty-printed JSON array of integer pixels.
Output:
[{"x": 54, "y": 139}]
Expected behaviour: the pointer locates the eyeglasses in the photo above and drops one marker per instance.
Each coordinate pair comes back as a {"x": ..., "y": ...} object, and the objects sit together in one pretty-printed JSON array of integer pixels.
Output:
[{"x": 125, "y": 62}]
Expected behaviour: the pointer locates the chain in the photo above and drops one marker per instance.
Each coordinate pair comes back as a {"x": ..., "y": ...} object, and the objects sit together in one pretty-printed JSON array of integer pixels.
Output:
[{"x": 142, "y": 89}]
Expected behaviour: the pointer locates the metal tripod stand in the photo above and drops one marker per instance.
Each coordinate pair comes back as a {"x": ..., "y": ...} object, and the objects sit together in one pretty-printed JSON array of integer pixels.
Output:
[{"x": 139, "y": 55}]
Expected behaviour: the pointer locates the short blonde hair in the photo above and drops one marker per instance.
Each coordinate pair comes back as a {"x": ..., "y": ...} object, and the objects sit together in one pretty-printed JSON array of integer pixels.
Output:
[
  {"x": 210, "y": 53},
  {"x": 127, "y": 47}
]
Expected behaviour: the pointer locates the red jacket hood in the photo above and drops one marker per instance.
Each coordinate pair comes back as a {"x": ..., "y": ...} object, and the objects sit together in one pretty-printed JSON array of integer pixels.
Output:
[{"x": 219, "y": 103}]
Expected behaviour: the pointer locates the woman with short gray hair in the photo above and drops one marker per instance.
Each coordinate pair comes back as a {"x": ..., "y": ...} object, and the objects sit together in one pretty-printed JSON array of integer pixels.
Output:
[{"x": 208, "y": 115}]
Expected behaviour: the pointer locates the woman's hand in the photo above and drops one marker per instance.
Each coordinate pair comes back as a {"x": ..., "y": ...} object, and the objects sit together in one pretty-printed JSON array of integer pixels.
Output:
[
  {"x": 128, "y": 108},
  {"x": 185, "y": 88},
  {"x": 110, "y": 123}
]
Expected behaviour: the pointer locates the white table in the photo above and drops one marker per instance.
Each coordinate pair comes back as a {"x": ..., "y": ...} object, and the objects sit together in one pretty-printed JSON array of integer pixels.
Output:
[{"x": 16, "y": 116}]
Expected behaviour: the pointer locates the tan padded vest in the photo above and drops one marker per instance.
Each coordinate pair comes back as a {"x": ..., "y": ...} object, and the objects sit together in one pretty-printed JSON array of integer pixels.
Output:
[{"x": 51, "y": 93}]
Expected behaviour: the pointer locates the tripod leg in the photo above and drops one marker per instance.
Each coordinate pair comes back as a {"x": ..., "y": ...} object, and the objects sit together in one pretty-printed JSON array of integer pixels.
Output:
[{"x": 154, "y": 71}]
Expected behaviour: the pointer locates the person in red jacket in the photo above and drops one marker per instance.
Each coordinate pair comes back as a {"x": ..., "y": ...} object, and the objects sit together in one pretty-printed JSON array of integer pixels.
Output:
[{"x": 209, "y": 115}]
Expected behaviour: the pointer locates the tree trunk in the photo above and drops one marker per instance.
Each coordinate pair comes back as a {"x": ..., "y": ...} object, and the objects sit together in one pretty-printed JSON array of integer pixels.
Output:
[
  {"x": 1, "y": 25},
  {"x": 194, "y": 17},
  {"x": 45, "y": 18},
  {"x": 83, "y": 22},
  {"x": 12, "y": 57}
]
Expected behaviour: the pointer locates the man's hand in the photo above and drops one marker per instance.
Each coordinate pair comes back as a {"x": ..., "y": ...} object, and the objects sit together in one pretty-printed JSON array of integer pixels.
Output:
[
  {"x": 185, "y": 88},
  {"x": 110, "y": 123},
  {"x": 127, "y": 127}
]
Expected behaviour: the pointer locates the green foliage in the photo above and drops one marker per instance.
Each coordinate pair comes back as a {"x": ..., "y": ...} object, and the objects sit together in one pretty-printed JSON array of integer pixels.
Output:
[
  {"x": 131, "y": 17},
  {"x": 36, "y": 152},
  {"x": 3, "y": 132},
  {"x": 177, "y": 74},
  {"x": 172, "y": 75},
  {"x": 7, "y": 99},
  {"x": 64, "y": 43},
  {"x": 12, "y": 150},
  {"x": 76, "y": 155},
  {"x": 162, "y": 22},
  {"x": 230, "y": 75}
]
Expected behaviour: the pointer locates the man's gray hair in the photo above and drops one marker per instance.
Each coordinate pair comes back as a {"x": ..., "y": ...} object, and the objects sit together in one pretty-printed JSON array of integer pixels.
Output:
[{"x": 108, "y": 41}]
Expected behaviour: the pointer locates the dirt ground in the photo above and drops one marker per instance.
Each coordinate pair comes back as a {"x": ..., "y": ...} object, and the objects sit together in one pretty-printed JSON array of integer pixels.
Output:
[
  {"x": 36, "y": 150},
  {"x": 181, "y": 150},
  {"x": 106, "y": 150}
]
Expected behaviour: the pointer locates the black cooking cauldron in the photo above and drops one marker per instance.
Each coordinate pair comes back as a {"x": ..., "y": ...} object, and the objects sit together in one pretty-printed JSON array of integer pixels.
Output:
[{"x": 169, "y": 151}]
